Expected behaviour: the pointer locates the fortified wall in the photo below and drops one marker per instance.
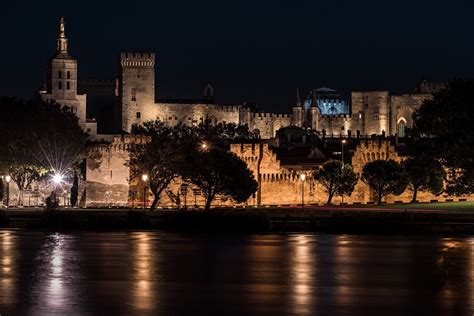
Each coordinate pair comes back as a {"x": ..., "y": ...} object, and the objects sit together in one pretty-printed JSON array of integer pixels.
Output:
[{"x": 108, "y": 179}]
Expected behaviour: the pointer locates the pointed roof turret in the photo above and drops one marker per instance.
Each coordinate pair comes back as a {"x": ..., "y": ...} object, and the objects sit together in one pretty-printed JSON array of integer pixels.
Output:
[
  {"x": 314, "y": 99},
  {"x": 298, "y": 99}
]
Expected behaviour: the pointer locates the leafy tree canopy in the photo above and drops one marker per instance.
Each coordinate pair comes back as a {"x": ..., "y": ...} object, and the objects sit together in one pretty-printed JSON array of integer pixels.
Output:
[
  {"x": 444, "y": 131},
  {"x": 336, "y": 179},
  {"x": 385, "y": 177}
]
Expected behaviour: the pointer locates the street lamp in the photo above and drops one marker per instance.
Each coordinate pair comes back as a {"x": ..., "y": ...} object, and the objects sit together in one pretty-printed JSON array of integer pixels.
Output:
[
  {"x": 342, "y": 166},
  {"x": 8, "y": 178},
  {"x": 145, "y": 179},
  {"x": 302, "y": 178},
  {"x": 342, "y": 152},
  {"x": 204, "y": 146}
]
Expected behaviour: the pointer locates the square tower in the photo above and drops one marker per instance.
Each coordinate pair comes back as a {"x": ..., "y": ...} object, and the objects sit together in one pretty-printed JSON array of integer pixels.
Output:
[{"x": 137, "y": 88}]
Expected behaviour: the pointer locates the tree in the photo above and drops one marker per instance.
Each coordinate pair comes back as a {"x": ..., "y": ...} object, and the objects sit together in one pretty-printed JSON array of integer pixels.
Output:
[
  {"x": 219, "y": 172},
  {"x": 336, "y": 179},
  {"x": 23, "y": 174},
  {"x": 2, "y": 189},
  {"x": 444, "y": 131},
  {"x": 162, "y": 155},
  {"x": 36, "y": 138},
  {"x": 384, "y": 177},
  {"x": 74, "y": 190},
  {"x": 424, "y": 175}
]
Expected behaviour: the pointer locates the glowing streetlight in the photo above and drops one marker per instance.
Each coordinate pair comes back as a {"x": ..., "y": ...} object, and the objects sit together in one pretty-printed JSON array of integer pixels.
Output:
[
  {"x": 204, "y": 146},
  {"x": 145, "y": 179},
  {"x": 342, "y": 152},
  {"x": 342, "y": 165},
  {"x": 8, "y": 178},
  {"x": 57, "y": 178},
  {"x": 302, "y": 178}
]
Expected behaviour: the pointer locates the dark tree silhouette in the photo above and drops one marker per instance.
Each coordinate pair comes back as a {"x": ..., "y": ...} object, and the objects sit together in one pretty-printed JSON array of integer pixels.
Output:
[
  {"x": 385, "y": 177},
  {"x": 336, "y": 179},
  {"x": 424, "y": 175},
  {"x": 163, "y": 154},
  {"x": 37, "y": 138},
  {"x": 219, "y": 172},
  {"x": 74, "y": 190},
  {"x": 444, "y": 131}
]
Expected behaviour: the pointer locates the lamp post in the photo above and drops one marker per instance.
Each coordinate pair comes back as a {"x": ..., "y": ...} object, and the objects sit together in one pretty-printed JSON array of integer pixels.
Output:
[
  {"x": 342, "y": 165},
  {"x": 302, "y": 178},
  {"x": 342, "y": 152},
  {"x": 145, "y": 179},
  {"x": 8, "y": 178}
]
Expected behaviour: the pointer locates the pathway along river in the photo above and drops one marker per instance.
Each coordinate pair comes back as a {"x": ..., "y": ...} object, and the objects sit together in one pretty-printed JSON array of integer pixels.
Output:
[{"x": 136, "y": 273}]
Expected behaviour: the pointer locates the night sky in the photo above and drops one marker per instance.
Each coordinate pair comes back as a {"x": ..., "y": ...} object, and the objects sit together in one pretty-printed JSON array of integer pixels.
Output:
[{"x": 254, "y": 51}]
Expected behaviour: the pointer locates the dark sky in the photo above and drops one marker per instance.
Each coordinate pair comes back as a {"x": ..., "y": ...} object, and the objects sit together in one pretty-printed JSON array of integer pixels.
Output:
[{"x": 257, "y": 51}]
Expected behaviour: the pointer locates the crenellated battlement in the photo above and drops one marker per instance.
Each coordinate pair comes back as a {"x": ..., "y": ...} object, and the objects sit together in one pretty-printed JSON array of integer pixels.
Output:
[
  {"x": 336, "y": 116},
  {"x": 137, "y": 59},
  {"x": 270, "y": 115},
  {"x": 229, "y": 108}
]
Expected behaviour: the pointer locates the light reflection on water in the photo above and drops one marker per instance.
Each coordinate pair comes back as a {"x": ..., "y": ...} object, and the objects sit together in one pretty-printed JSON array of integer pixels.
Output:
[{"x": 296, "y": 274}]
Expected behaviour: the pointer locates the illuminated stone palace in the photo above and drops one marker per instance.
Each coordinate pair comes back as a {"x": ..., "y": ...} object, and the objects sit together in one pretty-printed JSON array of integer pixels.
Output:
[
  {"x": 367, "y": 119},
  {"x": 133, "y": 100}
]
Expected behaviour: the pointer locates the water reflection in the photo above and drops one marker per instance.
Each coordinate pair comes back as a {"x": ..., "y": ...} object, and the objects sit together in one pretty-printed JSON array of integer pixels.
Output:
[
  {"x": 56, "y": 277},
  {"x": 303, "y": 275},
  {"x": 8, "y": 284},
  {"x": 144, "y": 294},
  {"x": 299, "y": 274}
]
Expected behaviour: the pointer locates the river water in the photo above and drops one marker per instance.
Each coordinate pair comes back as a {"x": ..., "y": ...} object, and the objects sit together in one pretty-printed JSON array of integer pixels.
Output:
[{"x": 145, "y": 273}]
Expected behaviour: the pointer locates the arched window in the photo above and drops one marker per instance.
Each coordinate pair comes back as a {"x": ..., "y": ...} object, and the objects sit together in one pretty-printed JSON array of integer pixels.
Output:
[
  {"x": 60, "y": 74},
  {"x": 68, "y": 85},
  {"x": 401, "y": 127},
  {"x": 69, "y": 75},
  {"x": 60, "y": 85}
]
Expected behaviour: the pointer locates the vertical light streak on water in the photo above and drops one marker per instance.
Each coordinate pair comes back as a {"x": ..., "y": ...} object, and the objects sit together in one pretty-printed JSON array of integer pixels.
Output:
[
  {"x": 144, "y": 290},
  {"x": 303, "y": 279},
  {"x": 8, "y": 272}
]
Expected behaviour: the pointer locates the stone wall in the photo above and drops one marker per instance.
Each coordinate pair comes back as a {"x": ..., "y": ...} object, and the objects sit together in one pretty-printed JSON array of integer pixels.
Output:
[{"x": 107, "y": 175}]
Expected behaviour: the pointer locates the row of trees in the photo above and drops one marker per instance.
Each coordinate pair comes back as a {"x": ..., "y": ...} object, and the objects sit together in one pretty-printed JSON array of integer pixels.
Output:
[
  {"x": 197, "y": 155},
  {"x": 37, "y": 140},
  {"x": 440, "y": 148},
  {"x": 384, "y": 177}
]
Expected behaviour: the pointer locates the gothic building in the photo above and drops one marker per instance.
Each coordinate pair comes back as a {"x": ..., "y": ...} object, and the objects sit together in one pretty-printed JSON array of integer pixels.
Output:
[
  {"x": 62, "y": 83},
  {"x": 131, "y": 99}
]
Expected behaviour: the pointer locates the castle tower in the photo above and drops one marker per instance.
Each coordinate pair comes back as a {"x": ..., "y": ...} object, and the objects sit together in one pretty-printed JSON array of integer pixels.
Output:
[
  {"x": 298, "y": 111},
  {"x": 137, "y": 88},
  {"x": 62, "y": 80}
]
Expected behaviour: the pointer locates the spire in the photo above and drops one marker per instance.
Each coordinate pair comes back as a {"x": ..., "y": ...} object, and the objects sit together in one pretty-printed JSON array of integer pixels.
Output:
[
  {"x": 314, "y": 99},
  {"x": 62, "y": 40},
  {"x": 298, "y": 99}
]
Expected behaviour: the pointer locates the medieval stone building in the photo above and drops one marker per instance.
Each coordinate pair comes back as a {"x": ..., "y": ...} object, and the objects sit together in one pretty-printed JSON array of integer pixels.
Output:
[{"x": 323, "y": 117}]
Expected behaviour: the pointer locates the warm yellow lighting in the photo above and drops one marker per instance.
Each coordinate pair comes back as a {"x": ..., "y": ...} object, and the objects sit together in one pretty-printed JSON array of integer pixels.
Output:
[
  {"x": 145, "y": 177},
  {"x": 204, "y": 146},
  {"x": 343, "y": 141},
  {"x": 302, "y": 176},
  {"x": 8, "y": 178}
]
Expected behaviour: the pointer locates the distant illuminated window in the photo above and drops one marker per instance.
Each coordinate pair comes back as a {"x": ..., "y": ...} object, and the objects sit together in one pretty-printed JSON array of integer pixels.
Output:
[
  {"x": 401, "y": 128},
  {"x": 376, "y": 117}
]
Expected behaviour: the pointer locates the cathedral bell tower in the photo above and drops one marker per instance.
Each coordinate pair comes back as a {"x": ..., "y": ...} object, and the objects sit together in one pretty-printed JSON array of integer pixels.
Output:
[{"x": 62, "y": 78}]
